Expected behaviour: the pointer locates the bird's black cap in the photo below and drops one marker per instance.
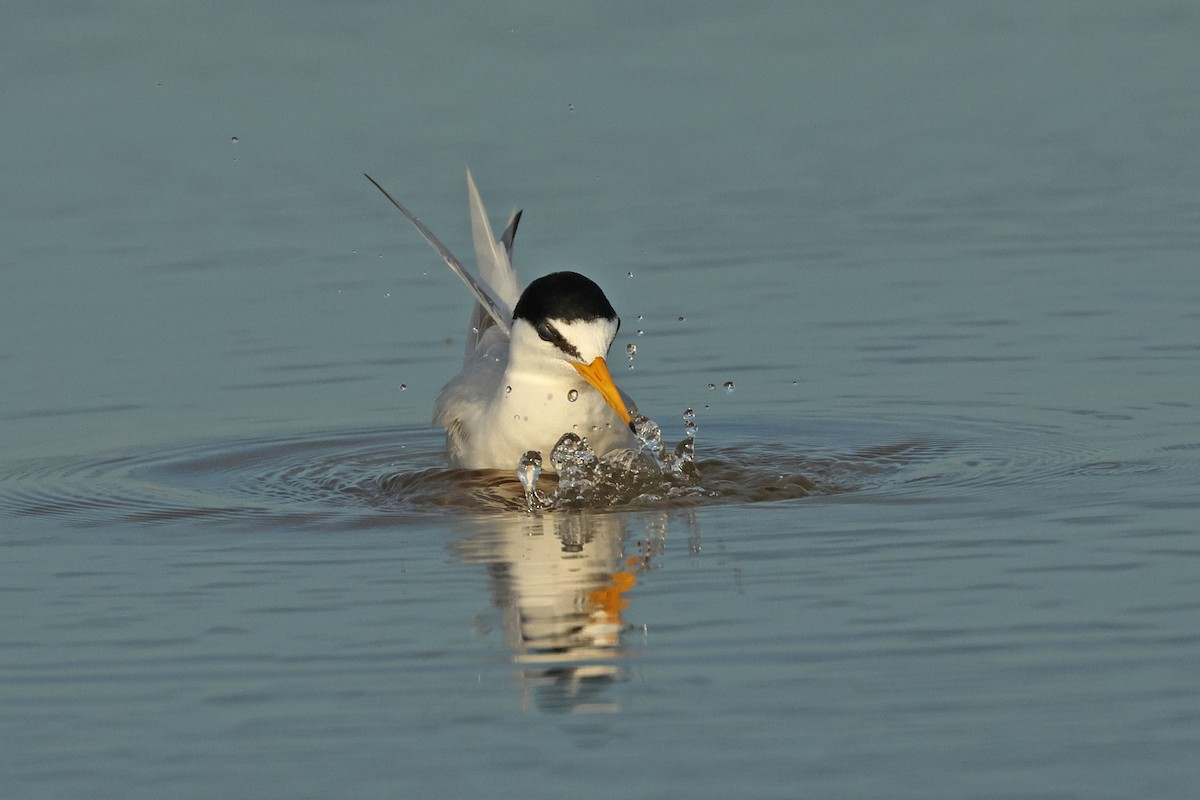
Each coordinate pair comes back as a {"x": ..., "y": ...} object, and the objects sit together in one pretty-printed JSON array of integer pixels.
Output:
[{"x": 566, "y": 296}]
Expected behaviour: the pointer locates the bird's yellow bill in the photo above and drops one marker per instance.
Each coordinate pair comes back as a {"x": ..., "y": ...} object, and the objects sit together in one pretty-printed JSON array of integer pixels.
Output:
[{"x": 596, "y": 373}]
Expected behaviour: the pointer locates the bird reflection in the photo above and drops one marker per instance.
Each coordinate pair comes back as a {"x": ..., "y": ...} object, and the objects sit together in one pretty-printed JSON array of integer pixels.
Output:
[{"x": 561, "y": 584}]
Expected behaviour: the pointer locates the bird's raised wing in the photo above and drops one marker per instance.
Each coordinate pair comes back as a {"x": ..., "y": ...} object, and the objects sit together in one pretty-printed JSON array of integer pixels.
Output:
[
  {"x": 492, "y": 256},
  {"x": 492, "y": 302}
]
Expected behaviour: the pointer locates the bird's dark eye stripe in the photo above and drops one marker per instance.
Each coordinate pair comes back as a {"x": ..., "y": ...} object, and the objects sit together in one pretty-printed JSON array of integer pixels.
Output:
[{"x": 550, "y": 334}]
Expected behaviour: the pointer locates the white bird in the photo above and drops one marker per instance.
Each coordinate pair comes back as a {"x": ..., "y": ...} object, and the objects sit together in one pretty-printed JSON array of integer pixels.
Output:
[{"x": 535, "y": 363}]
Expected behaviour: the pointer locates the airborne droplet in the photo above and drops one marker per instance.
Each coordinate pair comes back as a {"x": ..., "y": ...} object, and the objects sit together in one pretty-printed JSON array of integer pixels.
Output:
[
  {"x": 573, "y": 395},
  {"x": 728, "y": 387}
]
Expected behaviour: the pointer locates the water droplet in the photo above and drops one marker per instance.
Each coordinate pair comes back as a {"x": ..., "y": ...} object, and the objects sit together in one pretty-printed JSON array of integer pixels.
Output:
[
  {"x": 631, "y": 350},
  {"x": 640, "y": 317},
  {"x": 387, "y": 294},
  {"x": 689, "y": 425},
  {"x": 641, "y": 332},
  {"x": 681, "y": 319},
  {"x": 573, "y": 395},
  {"x": 233, "y": 139},
  {"x": 631, "y": 274},
  {"x": 795, "y": 383},
  {"x": 712, "y": 386},
  {"x": 403, "y": 386},
  {"x": 728, "y": 387},
  {"x": 508, "y": 390}
]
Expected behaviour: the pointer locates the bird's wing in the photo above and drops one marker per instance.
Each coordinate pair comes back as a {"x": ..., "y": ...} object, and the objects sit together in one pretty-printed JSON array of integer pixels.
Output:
[
  {"x": 510, "y": 233},
  {"x": 461, "y": 404},
  {"x": 480, "y": 321},
  {"x": 495, "y": 266},
  {"x": 498, "y": 309}
]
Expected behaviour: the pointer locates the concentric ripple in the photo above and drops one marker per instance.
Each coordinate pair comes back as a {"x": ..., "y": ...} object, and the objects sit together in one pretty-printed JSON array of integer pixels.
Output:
[{"x": 364, "y": 478}]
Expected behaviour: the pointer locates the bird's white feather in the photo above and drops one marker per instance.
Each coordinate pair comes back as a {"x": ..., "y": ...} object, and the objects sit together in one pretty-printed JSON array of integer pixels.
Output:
[{"x": 491, "y": 255}]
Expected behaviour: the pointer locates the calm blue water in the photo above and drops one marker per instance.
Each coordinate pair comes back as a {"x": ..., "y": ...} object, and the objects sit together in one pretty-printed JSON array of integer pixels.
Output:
[{"x": 945, "y": 252}]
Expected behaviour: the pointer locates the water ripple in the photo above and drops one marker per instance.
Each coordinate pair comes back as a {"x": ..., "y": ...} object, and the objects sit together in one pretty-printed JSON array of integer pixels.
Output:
[{"x": 368, "y": 477}]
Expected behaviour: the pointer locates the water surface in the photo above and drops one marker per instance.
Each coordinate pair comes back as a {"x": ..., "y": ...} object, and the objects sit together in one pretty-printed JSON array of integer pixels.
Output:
[{"x": 945, "y": 252}]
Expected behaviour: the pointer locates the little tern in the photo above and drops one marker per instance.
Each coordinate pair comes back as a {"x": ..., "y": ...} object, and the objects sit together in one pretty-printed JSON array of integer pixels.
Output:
[{"x": 535, "y": 359}]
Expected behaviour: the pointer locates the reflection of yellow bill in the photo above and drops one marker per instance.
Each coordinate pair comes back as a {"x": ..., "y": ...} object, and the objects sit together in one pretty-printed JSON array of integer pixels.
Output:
[
  {"x": 610, "y": 600},
  {"x": 598, "y": 376}
]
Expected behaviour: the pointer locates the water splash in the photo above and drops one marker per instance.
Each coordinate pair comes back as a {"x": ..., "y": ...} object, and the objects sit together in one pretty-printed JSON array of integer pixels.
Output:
[
  {"x": 529, "y": 469},
  {"x": 685, "y": 451},
  {"x": 575, "y": 464},
  {"x": 650, "y": 473}
]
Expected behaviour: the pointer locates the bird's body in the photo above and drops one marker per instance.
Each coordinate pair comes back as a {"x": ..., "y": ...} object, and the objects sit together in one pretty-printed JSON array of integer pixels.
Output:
[
  {"x": 499, "y": 408},
  {"x": 535, "y": 362}
]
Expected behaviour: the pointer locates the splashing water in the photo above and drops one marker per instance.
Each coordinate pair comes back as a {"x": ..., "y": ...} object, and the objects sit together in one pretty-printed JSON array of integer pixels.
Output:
[
  {"x": 685, "y": 451},
  {"x": 529, "y": 469},
  {"x": 585, "y": 479}
]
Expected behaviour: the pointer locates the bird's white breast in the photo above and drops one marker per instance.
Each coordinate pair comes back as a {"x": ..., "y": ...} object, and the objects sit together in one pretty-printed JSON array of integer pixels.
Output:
[{"x": 495, "y": 415}]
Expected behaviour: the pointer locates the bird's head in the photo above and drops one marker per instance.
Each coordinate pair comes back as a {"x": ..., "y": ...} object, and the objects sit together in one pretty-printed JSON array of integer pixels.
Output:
[{"x": 565, "y": 315}]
